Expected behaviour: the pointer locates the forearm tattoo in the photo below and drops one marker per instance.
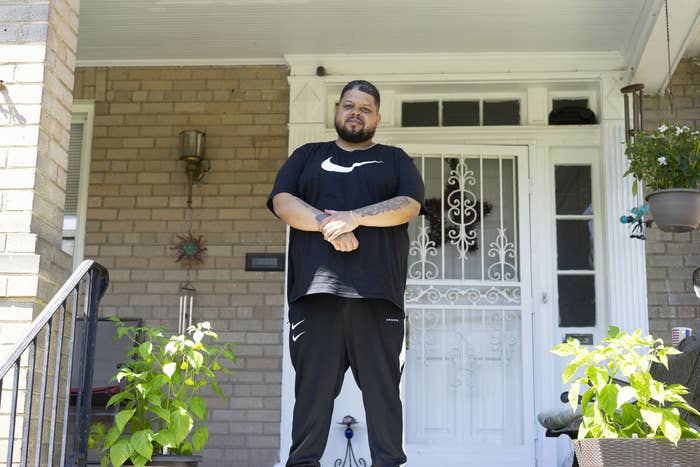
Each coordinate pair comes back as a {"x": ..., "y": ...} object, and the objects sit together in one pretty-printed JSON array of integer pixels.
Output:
[
  {"x": 318, "y": 214},
  {"x": 393, "y": 204}
]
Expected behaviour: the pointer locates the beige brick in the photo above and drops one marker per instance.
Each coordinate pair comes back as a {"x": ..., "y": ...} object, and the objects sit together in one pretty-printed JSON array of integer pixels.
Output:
[
  {"x": 125, "y": 108},
  {"x": 191, "y": 108},
  {"x": 149, "y": 85}
]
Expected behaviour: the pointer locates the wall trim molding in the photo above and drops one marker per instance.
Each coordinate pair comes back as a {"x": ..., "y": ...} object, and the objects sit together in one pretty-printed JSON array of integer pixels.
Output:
[
  {"x": 182, "y": 62},
  {"x": 474, "y": 64}
]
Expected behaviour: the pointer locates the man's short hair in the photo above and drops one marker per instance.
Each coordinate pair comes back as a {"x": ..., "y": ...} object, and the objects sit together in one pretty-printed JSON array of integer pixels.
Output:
[{"x": 364, "y": 86}]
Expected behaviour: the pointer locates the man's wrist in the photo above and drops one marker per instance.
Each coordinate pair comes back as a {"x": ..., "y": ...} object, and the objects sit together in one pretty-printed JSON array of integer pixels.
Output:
[
  {"x": 355, "y": 218},
  {"x": 319, "y": 217}
]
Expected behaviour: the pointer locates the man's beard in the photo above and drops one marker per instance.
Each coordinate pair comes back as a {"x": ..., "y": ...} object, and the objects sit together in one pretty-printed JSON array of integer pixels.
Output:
[{"x": 358, "y": 136}]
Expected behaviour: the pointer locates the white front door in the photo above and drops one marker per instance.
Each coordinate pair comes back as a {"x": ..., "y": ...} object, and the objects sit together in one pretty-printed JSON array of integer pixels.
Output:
[{"x": 468, "y": 378}]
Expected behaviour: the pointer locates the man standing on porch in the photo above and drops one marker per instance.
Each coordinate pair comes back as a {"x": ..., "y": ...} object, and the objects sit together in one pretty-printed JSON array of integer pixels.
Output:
[{"x": 348, "y": 203}]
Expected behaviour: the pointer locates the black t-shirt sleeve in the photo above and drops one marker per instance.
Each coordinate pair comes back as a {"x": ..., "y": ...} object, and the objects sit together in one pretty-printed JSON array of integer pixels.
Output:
[
  {"x": 410, "y": 181},
  {"x": 287, "y": 180}
]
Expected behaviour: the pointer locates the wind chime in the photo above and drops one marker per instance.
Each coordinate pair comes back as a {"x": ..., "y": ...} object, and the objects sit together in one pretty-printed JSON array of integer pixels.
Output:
[{"x": 190, "y": 249}]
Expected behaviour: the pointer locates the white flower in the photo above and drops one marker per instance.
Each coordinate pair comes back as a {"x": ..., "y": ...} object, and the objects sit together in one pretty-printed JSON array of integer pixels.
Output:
[
  {"x": 663, "y": 128},
  {"x": 662, "y": 160},
  {"x": 679, "y": 130}
]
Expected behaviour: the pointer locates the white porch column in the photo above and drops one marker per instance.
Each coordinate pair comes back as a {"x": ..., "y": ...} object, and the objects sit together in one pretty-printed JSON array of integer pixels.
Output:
[
  {"x": 307, "y": 117},
  {"x": 626, "y": 265},
  {"x": 306, "y": 104}
]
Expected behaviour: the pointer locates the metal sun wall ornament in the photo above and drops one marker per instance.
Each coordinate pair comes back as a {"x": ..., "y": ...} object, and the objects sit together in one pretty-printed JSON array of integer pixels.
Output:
[
  {"x": 189, "y": 250},
  {"x": 349, "y": 460}
]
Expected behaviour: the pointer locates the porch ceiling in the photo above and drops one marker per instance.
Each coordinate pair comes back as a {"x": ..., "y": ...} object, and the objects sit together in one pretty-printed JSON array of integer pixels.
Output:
[{"x": 263, "y": 31}]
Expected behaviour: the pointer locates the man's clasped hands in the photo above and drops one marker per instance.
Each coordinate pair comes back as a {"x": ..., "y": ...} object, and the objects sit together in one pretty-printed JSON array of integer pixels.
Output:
[{"x": 338, "y": 228}]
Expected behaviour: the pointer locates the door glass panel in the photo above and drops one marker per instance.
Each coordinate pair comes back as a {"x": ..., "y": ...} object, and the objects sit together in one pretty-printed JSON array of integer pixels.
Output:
[
  {"x": 574, "y": 244},
  {"x": 464, "y": 366},
  {"x": 502, "y": 112},
  {"x": 576, "y": 301},
  {"x": 462, "y": 113},
  {"x": 470, "y": 230},
  {"x": 420, "y": 114},
  {"x": 573, "y": 189}
]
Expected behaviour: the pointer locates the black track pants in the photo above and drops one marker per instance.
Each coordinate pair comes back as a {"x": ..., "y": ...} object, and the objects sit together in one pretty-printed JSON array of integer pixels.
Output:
[{"x": 328, "y": 334}]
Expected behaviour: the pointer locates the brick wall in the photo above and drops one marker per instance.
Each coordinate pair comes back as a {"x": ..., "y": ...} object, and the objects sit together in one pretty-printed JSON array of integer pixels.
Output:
[
  {"x": 38, "y": 40},
  {"x": 672, "y": 257},
  {"x": 136, "y": 208},
  {"x": 37, "y": 56}
]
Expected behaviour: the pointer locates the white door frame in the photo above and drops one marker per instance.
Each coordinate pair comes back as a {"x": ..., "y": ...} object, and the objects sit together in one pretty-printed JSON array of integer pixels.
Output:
[{"x": 426, "y": 456}]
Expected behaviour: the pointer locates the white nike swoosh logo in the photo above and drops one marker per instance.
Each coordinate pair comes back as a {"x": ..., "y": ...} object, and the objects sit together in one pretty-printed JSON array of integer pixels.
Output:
[
  {"x": 294, "y": 326},
  {"x": 294, "y": 338},
  {"x": 329, "y": 166}
]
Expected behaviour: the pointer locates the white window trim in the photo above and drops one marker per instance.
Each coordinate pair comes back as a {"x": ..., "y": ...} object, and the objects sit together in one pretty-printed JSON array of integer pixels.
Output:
[
  {"x": 83, "y": 112},
  {"x": 481, "y": 97},
  {"x": 599, "y": 270}
]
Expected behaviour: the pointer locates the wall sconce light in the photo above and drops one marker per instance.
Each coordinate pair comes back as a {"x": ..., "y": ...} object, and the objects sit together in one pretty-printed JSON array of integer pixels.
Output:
[
  {"x": 637, "y": 119},
  {"x": 192, "y": 152},
  {"x": 2, "y": 85}
]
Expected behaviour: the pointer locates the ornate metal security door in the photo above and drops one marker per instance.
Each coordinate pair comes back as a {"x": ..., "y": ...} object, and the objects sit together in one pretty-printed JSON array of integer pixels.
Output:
[{"x": 468, "y": 375}]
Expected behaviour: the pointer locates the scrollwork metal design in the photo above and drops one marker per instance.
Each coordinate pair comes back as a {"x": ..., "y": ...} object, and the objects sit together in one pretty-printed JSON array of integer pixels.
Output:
[
  {"x": 502, "y": 249},
  {"x": 461, "y": 208},
  {"x": 455, "y": 295},
  {"x": 423, "y": 247}
]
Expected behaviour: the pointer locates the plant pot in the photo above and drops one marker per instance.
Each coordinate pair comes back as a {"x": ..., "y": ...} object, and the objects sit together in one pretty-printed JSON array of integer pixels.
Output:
[
  {"x": 640, "y": 452},
  {"x": 676, "y": 209},
  {"x": 160, "y": 460}
]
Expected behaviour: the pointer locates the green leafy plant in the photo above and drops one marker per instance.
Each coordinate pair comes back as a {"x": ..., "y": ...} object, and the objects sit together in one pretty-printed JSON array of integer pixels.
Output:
[
  {"x": 643, "y": 407},
  {"x": 667, "y": 157},
  {"x": 160, "y": 409}
]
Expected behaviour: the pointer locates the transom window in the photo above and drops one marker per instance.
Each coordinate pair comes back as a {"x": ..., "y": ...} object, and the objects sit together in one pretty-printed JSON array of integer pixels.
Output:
[{"x": 467, "y": 112}]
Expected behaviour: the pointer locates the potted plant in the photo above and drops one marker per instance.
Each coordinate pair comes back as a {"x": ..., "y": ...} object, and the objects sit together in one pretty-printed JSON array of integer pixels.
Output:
[
  {"x": 161, "y": 412},
  {"x": 632, "y": 422},
  {"x": 667, "y": 160}
]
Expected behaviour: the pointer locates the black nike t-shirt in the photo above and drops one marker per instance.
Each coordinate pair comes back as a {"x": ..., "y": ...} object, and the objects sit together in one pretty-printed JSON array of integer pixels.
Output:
[{"x": 328, "y": 177}]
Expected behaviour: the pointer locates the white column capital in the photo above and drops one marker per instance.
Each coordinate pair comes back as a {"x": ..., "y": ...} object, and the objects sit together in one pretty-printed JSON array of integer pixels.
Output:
[
  {"x": 307, "y": 99},
  {"x": 612, "y": 100}
]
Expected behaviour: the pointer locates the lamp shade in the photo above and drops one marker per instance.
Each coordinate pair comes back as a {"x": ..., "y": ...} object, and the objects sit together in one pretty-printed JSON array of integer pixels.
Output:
[{"x": 191, "y": 145}]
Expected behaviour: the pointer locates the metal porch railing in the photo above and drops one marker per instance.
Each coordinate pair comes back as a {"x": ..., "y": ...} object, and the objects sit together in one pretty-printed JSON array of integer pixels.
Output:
[{"x": 49, "y": 341}]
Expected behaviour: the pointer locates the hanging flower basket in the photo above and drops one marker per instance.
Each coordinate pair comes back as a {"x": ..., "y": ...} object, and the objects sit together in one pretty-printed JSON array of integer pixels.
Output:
[
  {"x": 667, "y": 161},
  {"x": 675, "y": 210}
]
